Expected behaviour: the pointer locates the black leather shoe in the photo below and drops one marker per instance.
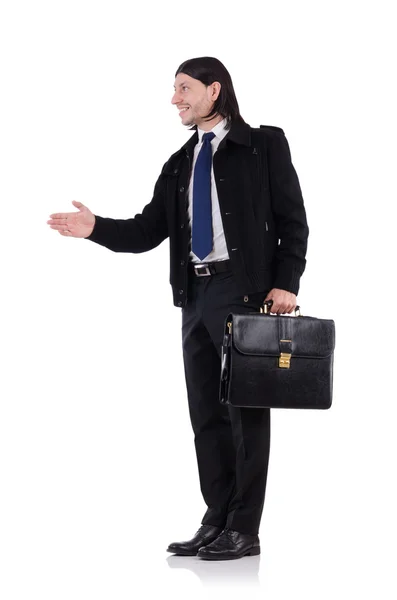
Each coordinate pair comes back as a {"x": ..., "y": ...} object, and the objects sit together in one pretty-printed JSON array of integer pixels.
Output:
[
  {"x": 205, "y": 535},
  {"x": 231, "y": 544}
]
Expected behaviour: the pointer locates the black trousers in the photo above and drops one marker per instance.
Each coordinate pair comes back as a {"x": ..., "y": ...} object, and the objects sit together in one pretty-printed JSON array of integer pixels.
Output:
[{"x": 232, "y": 444}]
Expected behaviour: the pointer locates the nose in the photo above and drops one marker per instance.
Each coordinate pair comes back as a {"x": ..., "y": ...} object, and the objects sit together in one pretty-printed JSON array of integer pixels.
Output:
[{"x": 175, "y": 98}]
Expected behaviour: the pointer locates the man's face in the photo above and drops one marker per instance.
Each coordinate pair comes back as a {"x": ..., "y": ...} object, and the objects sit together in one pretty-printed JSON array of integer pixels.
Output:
[{"x": 197, "y": 97}]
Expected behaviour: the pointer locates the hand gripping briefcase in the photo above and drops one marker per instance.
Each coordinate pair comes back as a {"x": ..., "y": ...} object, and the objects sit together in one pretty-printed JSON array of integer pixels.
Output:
[{"x": 277, "y": 361}]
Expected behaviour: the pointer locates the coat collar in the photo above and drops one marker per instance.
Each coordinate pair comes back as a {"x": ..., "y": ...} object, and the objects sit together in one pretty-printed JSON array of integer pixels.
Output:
[{"x": 239, "y": 133}]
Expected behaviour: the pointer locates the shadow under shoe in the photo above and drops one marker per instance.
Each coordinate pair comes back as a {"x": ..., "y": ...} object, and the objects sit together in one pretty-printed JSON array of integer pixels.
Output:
[
  {"x": 203, "y": 536},
  {"x": 231, "y": 544}
]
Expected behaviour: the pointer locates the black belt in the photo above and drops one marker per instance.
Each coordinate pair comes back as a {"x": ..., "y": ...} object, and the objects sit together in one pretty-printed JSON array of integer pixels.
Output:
[{"x": 209, "y": 268}]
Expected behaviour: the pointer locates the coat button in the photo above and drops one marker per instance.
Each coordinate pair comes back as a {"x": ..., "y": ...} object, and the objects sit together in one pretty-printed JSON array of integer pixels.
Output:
[
  {"x": 182, "y": 226},
  {"x": 175, "y": 171},
  {"x": 182, "y": 263},
  {"x": 181, "y": 291},
  {"x": 179, "y": 303},
  {"x": 182, "y": 189},
  {"x": 245, "y": 298},
  {"x": 222, "y": 179}
]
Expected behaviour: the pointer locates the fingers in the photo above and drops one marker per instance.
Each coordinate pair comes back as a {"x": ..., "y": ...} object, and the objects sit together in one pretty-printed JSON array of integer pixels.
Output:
[
  {"x": 277, "y": 309},
  {"x": 283, "y": 301},
  {"x": 59, "y": 224},
  {"x": 62, "y": 221},
  {"x": 61, "y": 215},
  {"x": 280, "y": 308},
  {"x": 68, "y": 215},
  {"x": 56, "y": 221},
  {"x": 64, "y": 225}
]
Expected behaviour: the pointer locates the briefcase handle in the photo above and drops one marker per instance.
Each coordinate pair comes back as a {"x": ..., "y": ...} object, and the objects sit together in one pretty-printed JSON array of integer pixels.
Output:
[{"x": 267, "y": 304}]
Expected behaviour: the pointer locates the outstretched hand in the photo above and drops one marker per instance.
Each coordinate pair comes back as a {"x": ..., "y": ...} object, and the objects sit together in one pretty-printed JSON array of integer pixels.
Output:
[
  {"x": 73, "y": 224},
  {"x": 283, "y": 301}
]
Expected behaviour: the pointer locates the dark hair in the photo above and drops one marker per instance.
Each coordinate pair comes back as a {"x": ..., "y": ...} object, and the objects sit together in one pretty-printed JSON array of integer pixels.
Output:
[{"x": 207, "y": 70}]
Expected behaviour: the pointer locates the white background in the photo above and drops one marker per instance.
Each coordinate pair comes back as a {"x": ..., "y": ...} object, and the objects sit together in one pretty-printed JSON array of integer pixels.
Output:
[{"x": 98, "y": 470}]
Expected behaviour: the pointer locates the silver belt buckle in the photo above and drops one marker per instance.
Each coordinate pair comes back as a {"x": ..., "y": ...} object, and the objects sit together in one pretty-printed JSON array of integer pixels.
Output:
[{"x": 208, "y": 272}]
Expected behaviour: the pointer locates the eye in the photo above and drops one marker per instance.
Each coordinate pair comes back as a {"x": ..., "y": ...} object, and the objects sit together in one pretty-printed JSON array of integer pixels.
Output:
[{"x": 185, "y": 87}]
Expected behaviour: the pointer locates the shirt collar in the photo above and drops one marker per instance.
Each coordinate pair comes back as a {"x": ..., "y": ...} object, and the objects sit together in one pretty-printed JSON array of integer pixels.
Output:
[{"x": 219, "y": 130}]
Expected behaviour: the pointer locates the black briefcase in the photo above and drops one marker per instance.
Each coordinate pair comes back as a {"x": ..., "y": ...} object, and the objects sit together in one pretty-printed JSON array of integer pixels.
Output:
[{"x": 277, "y": 361}]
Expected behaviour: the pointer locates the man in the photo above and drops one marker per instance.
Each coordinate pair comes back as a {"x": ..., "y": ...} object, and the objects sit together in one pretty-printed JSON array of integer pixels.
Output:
[{"x": 230, "y": 202}]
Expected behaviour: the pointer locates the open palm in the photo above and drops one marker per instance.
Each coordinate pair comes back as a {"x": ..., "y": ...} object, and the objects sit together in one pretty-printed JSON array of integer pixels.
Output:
[{"x": 74, "y": 224}]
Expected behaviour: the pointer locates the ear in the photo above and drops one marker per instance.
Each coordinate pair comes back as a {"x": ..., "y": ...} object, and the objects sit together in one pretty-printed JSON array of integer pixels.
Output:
[{"x": 215, "y": 90}]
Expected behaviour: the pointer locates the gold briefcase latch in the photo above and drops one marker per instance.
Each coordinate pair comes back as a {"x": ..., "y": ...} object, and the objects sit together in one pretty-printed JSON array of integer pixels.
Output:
[{"x": 284, "y": 360}]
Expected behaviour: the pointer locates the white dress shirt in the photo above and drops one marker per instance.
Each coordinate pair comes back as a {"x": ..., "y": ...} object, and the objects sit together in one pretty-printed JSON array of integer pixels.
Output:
[{"x": 219, "y": 251}]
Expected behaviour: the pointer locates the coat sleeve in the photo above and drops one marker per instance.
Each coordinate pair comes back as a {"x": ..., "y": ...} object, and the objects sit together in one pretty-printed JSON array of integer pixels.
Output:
[
  {"x": 289, "y": 215},
  {"x": 141, "y": 233}
]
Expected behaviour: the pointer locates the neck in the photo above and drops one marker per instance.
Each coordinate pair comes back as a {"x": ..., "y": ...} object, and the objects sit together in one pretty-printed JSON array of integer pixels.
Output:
[{"x": 208, "y": 125}]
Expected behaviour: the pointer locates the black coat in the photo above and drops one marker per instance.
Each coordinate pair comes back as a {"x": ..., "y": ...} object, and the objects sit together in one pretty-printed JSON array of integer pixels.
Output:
[{"x": 261, "y": 204}]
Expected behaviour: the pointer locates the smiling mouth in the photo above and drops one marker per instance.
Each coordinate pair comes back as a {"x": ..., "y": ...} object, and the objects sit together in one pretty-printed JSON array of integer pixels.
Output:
[{"x": 183, "y": 110}]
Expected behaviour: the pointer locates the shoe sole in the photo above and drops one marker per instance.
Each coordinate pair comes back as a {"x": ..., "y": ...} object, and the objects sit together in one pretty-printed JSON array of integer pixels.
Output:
[
  {"x": 182, "y": 552},
  {"x": 252, "y": 552}
]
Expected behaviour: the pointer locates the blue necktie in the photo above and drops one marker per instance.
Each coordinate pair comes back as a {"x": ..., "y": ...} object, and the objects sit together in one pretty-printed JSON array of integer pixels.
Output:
[{"x": 202, "y": 238}]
